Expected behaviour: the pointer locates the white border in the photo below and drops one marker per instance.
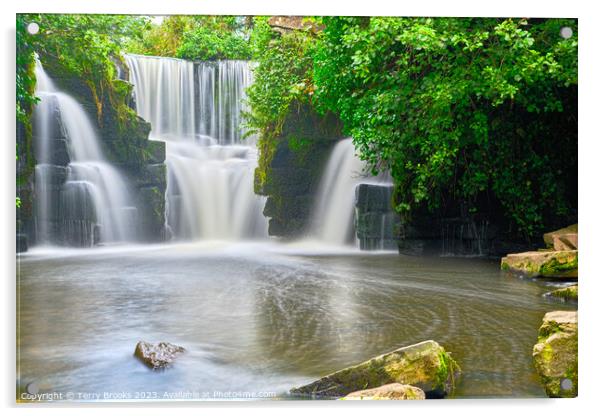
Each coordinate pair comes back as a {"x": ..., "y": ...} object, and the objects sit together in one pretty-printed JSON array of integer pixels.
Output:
[{"x": 590, "y": 153}]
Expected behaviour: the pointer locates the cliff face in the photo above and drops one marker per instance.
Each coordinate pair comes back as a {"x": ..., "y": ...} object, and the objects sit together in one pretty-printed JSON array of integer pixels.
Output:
[
  {"x": 290, "y": 169},
  {"x": 124, "y": 141}
]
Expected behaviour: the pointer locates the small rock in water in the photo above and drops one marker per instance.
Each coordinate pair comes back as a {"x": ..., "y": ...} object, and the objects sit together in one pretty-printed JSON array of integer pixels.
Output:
[
  {"x": 157, "y": 356},
  {"x": 393, "y": 391},
  {"x": 569, "y": 293}
]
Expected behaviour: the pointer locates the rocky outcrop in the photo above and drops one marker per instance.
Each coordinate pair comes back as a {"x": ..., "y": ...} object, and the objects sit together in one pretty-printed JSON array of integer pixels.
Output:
[
  {"x": 555, "y": 354},
  {"x": 560, "y": 264},
  {"x": 157, "y": 356},
  {"x": 569, "y": 293},
  {"x": 393, "y": 391},
  {"x": 290, "y": 168},
  {"x": 562, "y": 240},
  {"x": 465, "y": 235},
  {"x": 559, "y": 260},
  {"x": 21, "y": 243},
  {"x": 425, "y": 365},
  {"x": 376, "y": 223}
]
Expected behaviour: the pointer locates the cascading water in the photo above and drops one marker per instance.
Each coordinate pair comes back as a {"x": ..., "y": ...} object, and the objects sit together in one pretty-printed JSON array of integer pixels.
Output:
[
  {"x": 196, "y": 108},
  {"x": 333, "y": 213},
  {"x": 80, "y": 199}
]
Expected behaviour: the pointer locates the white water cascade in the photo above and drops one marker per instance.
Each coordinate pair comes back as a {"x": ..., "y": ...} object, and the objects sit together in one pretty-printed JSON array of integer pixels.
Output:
[
  {"x": 333, "y": 213},
  {"x": 81, "y": 199},
  {"x": 196, "y": 108}
]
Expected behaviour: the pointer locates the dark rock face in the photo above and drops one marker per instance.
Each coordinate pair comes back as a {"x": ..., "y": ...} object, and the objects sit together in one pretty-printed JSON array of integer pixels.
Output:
[
  {"x": 376, "y": 223},
  {"x": 157, "y": 356},
  {"x": 293, "y": 174},
  {"x": 21, "y": 243},
  {"x": 430, "y": 235}
]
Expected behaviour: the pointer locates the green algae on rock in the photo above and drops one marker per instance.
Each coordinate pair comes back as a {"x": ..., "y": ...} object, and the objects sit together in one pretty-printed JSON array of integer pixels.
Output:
[
  {"x": 565, "y": 293},
  {"x": 561, "y": 264},
  {"x": 393, "y": 391},
  {"x": 555, "y": 354},
  {"x": 425, "y": 365}
]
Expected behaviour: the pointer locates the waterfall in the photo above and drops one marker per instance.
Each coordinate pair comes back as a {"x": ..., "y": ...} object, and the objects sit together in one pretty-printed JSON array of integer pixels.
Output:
[
  {"x": 196, "y": 108},
  {"x": 80, "y": 198},
  {"x": 333, "y": 213}
]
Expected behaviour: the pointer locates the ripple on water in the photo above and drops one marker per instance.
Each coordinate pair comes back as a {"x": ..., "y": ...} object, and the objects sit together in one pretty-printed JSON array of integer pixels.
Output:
[{"x": 258, "y": 319}]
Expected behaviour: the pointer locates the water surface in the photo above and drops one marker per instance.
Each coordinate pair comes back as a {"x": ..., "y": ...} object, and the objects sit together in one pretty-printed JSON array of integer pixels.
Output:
[{"x": 258, "y": 319}]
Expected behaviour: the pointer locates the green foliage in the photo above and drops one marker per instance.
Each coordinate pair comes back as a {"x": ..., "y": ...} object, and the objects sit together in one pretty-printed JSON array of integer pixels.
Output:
[
  {"x": 196, "y": 38},
  {"x": 25, "y": 100},
  {"x": 455, "y": 108},
  {"x": 24, "y": 72},
  {"x": 86, "y": 46},
  {"x": 283, "y": 76},
  {"x": 206, "y": 42}
]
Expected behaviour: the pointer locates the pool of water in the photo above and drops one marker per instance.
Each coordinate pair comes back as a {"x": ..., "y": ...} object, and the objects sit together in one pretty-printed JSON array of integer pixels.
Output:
[{"x": 259, "y": 319}]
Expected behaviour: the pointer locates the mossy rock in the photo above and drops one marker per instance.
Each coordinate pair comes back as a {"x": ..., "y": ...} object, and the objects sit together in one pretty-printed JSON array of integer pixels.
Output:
[
  {"x": 425, "y": 365},
  {"x": 569, "y": 293},
  {"x": 560, "y": 264},
  {"x": 393, "y": 391},
  {"x": 555, "y": 354}
]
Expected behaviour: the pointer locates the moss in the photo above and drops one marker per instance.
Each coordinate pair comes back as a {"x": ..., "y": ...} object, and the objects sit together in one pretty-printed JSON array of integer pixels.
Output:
[
  {"x": 446, "y": 374},
  {"x": 555, "y": 354},
  {"x": 425, "y": 365},
  {"x": 565, "y": 293},
  {"x": 559, "y": 265}
]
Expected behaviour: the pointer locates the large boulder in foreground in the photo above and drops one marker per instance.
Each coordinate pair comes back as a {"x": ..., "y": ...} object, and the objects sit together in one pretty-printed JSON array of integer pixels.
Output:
[
  {"x": 393, "y": 391},
  {"x": 157, "y": 356},
  {"x": 425, "y": 365},
  {"x": 560, "y": 264},
  {"x": 555, "y": 354}
]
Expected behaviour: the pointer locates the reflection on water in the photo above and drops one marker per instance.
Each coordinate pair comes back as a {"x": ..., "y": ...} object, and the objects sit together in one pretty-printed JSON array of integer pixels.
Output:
[{"x": 256, "y": 318}]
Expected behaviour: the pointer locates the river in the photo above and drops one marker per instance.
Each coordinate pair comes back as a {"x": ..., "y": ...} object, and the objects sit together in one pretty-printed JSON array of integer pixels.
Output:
[{"x": 260, "y": 318}]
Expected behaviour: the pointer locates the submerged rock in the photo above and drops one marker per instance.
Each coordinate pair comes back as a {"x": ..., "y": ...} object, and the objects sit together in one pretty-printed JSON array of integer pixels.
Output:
[
  {"x": 562, "y": 264},
  {"x": 425, "y": 365},
  {"x": 393, "y": 391},
  {"x": 555, "y": 354},
  {"x": 565, "y": 293},
  {"x": 157, "y": 356}
]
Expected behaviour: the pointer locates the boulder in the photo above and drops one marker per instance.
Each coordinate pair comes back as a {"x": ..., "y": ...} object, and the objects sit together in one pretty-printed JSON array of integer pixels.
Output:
[
  {"x": 425, "y": 365},
  {"x": 555, "y": 354},
  {"x": 393, "y": 391},
  {"x": 565, "y": 293},
  {"x": 554, "y": 238},
  {"x": 562, "y": 264},
  {"x": 157, "y": 356}
]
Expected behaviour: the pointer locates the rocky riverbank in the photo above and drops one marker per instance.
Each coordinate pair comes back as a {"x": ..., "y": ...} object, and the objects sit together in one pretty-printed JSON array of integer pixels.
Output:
[
  {"x": 559, "y": 259},
  {"x": 555, "y": 354}
]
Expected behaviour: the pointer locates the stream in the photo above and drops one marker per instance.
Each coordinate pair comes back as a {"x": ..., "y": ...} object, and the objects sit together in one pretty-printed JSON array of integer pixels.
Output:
[{"x": 259, "y": 318}]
